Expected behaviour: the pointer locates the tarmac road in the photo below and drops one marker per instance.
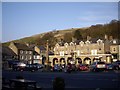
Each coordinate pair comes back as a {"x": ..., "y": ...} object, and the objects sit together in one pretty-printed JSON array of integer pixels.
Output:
[{"x": 74, "y": 80}]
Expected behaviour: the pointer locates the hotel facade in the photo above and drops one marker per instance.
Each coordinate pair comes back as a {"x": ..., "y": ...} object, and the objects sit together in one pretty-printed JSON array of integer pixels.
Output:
[{"x": 86, "y": 52}]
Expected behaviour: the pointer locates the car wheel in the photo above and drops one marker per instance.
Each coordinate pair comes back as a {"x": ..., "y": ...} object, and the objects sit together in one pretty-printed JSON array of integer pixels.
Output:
[
  {"x": 21, "y": 70},
  {"x": 33, "y": 70},
  {"x": 94, "y": 70}
]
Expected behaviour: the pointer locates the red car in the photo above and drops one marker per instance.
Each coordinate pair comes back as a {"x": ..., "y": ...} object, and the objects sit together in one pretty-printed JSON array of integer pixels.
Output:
[{"x": 83, "y": 67}]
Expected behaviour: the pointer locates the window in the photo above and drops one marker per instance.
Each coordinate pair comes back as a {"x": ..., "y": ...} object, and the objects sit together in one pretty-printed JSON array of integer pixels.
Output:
[
  {"x": 66, "y": 45},
  {"x": 30, "y": 57},
  {"x": 81, "y": 43},
  {"x": 35, "y": 56},
  {"x": 21, "y": 57},
  {"x": 25, "y": 57},
  {"x": 99, "y": 49},
  {"x": 99, "y": 41},
  {"x": 71, "y": 44},
  {"x": 114, "y": 49},
  {"x": 61, "y": 53},
  {"x": 21, "y": 51},
  {"x": 94, "y": 52},
  {"x": 30, "y": 52},
  {"x": 26, "y": 52},
  {"x": 57, "y": 45},
  {"x": 66, "y": 52},
  {"x": 87, "y": 42}
]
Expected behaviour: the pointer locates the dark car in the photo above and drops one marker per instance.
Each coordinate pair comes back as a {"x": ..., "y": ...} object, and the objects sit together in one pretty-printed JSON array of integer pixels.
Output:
[
  {"x": 39, "y": 66},
  {"x": 62, "y": 66},
  {"x": 70, "y": 67},
  {"x": 83, "y": 67},
  {"x": 98, "y": 66},
  {"x": 31, "y": 67},
  {"x": 109, "y": 67},
  {"x": 116, "y": 65},
  {"x": 56, "y": 67}
]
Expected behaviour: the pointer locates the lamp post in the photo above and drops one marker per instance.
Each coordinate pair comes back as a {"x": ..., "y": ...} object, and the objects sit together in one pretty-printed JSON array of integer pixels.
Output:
[{"x": 75, "y": 52}]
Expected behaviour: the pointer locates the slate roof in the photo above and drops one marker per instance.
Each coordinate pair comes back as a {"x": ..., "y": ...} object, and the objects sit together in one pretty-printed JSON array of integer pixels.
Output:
[
  {"x": 42, "y": 48},
  {"x": 94, "y": 40},
  {"x": 117, "y": 42},
  {"x": 35, "y": 53},
  {"x": 7, "y": 51},
  {"x": 22, "y": 46}
]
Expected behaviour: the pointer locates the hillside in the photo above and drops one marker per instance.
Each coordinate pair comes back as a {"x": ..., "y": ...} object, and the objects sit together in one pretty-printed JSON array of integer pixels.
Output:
[{"x": 99, "y": 30}]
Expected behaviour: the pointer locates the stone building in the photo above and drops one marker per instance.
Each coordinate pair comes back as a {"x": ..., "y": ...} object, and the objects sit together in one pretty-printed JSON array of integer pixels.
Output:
[
  {"x": 115, "y": 49},
  {"x": 23, "y": 52},
  {"x": 81, "y": 52}
]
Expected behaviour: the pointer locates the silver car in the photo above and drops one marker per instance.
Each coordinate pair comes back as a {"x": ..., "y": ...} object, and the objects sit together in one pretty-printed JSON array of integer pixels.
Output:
[{"x": 97, "y": 66}]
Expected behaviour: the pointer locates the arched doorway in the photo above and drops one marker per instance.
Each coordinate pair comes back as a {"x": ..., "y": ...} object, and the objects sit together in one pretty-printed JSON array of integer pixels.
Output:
[
  {"x": 62, "y": 61},
  {"x": 87, "y": 60},
  {"x": 55, "y": 61},
  {"x": 70, "y": 60},
  {"x": 79, "y": 60}
]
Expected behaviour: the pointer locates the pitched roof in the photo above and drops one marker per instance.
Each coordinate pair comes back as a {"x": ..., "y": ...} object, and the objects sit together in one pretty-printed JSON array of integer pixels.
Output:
[
  {"x": 94, "y": 40},
  {"x": 115, "y": 42},
  {"x": 42, "y": 48},
  {"x": 7, "y": 51},
  {"x": 22, "y": 46},
  {"x": 35, "y": 53}
]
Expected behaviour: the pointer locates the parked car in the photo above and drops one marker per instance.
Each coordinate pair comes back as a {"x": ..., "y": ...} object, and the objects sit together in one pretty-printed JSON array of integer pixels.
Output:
[
  {"x": 109, "y": 67},
  {"x": 116, "y": 65},
  {"x": 83, "y": 67},
  {"x": 98, "y": 66},
  {"x": 31, "y": 67},
  {"x": 19, "y": 66},
  {"x": 39, "y": 66},
  {"x": 70, "y": 67},
  {"x": 56, "y": 67},
  {"x": 62, "y": 66}
]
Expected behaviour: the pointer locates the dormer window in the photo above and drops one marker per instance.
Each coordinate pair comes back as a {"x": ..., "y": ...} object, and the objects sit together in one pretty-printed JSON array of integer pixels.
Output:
[
  {"x": 57, "y": 45},
  {"x": 87, "y": 42},
  {"x": 66, "y": 45},
  {"x": 71, "y": 44},
  {"x": 99, "y": 41},
  {"x": 81, "y": 43}
]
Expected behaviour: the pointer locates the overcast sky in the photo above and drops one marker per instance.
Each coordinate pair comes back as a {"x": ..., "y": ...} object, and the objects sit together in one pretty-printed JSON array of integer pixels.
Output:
[{"x": 22, "y": 19}]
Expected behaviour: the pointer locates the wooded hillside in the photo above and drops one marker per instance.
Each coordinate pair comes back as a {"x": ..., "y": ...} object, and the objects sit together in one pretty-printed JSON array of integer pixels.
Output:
[{"x": 99, "y": 30}]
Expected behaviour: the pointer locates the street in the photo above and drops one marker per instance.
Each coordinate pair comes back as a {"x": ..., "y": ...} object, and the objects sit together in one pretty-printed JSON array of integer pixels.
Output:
[{"x": 74, "y": 80}]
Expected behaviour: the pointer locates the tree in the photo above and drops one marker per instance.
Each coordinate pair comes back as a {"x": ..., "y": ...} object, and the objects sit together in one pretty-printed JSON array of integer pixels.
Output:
[
  {"x": 68, "y": 37},
  {"x": 48, "y": 36},
  {"x": 77, "y": 35}
]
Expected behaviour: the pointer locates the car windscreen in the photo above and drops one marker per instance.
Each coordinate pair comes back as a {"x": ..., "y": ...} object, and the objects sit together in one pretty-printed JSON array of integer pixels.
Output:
[{"x": 101, "y": 62}]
